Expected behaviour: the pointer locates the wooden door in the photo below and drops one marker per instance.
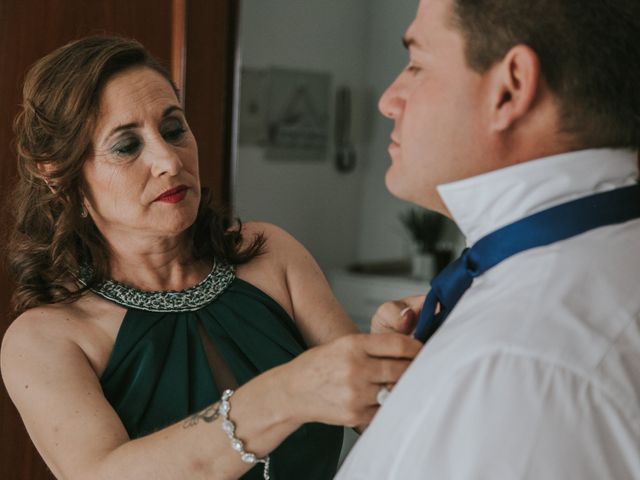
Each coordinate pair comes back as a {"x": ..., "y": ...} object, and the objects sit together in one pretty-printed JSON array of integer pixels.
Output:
[{"x": 194, "y": 38}]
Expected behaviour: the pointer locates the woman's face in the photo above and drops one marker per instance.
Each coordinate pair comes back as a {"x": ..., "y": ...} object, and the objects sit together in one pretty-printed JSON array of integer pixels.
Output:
[{"x": 141, "y": 178}]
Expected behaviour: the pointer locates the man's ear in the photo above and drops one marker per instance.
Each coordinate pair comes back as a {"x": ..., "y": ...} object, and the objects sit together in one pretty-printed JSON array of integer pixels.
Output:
[{"x": 516, "y": 80}]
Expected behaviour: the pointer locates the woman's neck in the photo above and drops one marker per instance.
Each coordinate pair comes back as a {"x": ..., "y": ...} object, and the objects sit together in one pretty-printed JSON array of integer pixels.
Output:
[{"x": 157, "y": 264}]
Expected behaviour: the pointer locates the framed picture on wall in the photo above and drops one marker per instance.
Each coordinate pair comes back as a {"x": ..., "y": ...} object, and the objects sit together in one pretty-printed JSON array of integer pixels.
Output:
[{"x": 287, "y": 112}]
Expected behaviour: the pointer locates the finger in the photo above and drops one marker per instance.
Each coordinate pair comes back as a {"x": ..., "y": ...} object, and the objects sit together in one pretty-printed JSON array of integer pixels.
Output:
[
  {"x": 393, "y": 316},
  {"x": 372, "y": 395},
  {"x": 400, "y": 323},
  {"x": 387, "y": 316},
  {"x": 408, "y": 320},
  {"x": 380, "y": 324},
  {"x": 386, "y": 371},
  {"x": 365, "y": 417},
  {"x": 392, "y": 309},
  {"x": 412, "y": 313},
  {"x": 414, "y": 302},
  {"x": 392, "y": 345}
]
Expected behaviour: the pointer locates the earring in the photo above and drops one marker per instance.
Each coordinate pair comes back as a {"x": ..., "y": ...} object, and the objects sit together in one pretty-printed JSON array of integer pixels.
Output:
[{"x": 84, "y": 213}]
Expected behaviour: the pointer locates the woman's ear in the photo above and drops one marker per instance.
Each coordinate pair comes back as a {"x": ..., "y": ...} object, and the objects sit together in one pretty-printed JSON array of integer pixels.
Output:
[{"x": 516, "y": 80}]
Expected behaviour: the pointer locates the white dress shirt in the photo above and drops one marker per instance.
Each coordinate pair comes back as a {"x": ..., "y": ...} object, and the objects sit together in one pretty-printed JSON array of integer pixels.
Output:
[{"x": 536, "y": 372}]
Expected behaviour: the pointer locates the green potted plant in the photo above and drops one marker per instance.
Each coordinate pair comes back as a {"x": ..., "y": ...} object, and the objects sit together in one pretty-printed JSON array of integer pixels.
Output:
[{"x": 425, "y": 229}]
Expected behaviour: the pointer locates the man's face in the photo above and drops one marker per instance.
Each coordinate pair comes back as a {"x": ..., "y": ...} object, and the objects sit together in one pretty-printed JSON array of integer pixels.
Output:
[{"x": 437, "y": 104}]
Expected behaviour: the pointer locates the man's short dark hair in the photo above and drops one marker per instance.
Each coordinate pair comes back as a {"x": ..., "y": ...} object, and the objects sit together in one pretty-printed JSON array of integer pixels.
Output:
[{"x": 589, "y": 52}]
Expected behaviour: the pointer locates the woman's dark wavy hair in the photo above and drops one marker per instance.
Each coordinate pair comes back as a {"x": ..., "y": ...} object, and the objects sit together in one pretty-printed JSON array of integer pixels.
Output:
[{"x": 50, "y": 241}]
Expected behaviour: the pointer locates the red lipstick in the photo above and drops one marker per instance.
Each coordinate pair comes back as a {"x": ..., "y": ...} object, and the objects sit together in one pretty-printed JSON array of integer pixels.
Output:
[{"x": 173, "y": 195}]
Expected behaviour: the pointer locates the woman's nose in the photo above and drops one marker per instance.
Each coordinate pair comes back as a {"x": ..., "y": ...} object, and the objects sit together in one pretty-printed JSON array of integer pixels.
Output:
[{"x": 164, "y": 159}]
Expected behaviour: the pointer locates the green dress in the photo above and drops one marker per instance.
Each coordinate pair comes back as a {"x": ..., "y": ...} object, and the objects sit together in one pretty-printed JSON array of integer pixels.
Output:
[{"x": 158, "y": 372}]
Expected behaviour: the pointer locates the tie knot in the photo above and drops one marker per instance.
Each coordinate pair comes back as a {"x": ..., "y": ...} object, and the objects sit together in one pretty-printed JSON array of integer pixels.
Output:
[
  {"x": 471, "y": 264},
  {"x": 453, "y": 281}
]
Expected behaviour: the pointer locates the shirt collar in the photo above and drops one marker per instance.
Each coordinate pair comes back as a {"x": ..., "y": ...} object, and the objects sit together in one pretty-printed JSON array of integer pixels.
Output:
[{"x": 487, "y": 202}]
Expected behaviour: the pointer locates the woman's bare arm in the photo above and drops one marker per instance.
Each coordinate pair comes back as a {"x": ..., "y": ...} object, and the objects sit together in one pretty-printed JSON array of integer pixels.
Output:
[{"x": 81, "y": 437}]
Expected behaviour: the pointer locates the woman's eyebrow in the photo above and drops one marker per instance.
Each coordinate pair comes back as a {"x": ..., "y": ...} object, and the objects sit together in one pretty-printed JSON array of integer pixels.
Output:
[
  {"x": 127, "y": 126},
  {"x": 169, "y": 110}
]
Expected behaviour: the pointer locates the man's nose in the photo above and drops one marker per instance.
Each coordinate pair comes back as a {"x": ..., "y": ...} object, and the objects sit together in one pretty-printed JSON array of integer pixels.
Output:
[{"x": 391, "y": 103}]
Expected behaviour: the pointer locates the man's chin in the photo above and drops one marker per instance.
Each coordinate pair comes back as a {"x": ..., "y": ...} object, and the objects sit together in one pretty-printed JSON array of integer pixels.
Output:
[
  {"x": 396, "y": 185},
  {"x": 401, "y": 188}
]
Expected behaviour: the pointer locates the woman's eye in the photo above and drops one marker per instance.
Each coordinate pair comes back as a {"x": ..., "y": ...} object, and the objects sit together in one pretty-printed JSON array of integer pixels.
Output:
[
  {"x": 174, "y": 134},
  {"x": 126, "y": 147},
  {"x": 413, "y": 68}
]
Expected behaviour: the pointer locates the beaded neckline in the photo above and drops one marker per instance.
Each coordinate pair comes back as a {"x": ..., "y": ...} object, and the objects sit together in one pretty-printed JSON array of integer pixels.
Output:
[{"x": 188, "y": 300}]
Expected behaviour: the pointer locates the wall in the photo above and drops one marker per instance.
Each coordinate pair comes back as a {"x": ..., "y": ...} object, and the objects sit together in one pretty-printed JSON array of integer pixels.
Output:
[
  {"x": 339, "y": 218},
  {"x": 380, "y": 234},
  {"x": 310, "y": 199}
]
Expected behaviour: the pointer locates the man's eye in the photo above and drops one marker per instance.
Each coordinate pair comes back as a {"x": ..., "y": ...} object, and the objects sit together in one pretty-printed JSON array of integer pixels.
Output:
[
  {"x": 413, "y": 68},
  {"x": 127, "y": 147}
]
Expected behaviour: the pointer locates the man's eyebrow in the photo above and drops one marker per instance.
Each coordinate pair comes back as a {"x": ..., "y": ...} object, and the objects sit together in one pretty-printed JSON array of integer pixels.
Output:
[{"x": 167, "y": 111}]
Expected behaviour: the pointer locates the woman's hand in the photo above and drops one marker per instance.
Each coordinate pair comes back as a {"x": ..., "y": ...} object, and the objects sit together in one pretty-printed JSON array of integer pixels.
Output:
[
  {"x": 399, "y": 316},
  {"x": 337, "y": 383}
]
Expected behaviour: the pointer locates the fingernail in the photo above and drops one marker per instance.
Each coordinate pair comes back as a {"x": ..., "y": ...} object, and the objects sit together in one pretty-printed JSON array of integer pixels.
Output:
[{"x": 405, "y": 311}]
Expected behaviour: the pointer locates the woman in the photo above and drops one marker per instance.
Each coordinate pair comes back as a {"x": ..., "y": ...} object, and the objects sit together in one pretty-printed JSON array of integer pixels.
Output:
[{"x": 139, "y": 305}]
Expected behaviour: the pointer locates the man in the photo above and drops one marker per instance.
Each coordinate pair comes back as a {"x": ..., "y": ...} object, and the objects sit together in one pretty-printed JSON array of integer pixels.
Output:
[{"x": 508, "y": 108}]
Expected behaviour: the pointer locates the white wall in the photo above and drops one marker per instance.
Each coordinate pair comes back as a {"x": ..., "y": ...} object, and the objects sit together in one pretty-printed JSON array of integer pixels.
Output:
[
  {"x": 380, "y": 235},
  {"x": 310, "y": 199},
  {"x": 339, "y": 218}
]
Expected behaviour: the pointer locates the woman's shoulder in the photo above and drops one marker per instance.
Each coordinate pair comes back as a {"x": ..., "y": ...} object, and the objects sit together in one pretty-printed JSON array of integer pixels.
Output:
[
  {"x": 33, "y": 340},
  {"x": 279, "y": 244},
  {"x": 42, "y": 326},
  {"x": 269, "y": 270},
  {"x": 290, "y": 275},
  {"x": 268, "y": 230},
  {"x": 43, "y": 333},
  {"x": 281, "y": 252},
  {"x": 43, "y": 321}
]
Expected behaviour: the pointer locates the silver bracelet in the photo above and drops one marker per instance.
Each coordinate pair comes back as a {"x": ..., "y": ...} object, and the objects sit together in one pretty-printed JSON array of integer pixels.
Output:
[{"x": 230, "y": 429}]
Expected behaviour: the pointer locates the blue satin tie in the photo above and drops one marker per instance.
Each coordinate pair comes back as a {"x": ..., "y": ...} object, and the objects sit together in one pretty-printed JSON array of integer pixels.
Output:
[{"x": 543, "y": 228}]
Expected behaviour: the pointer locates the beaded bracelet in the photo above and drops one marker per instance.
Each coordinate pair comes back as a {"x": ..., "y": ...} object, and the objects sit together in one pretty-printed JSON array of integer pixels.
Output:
[{"x": 230, "y": 429}]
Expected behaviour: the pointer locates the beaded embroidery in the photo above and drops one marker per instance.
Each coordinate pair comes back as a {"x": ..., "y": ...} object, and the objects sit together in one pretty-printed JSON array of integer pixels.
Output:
[{"x": 188, "y": 300}]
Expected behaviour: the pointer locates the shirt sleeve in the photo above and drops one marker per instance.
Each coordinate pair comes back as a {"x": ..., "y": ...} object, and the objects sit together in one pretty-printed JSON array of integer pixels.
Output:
[{"x": 509, "y": 417}]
